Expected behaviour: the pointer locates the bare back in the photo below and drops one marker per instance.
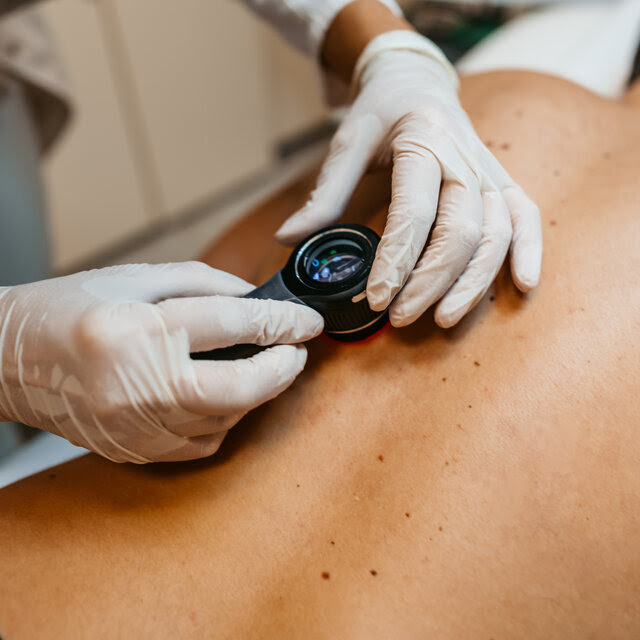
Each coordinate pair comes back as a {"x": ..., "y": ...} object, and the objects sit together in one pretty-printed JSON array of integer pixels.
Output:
[{"x": 472, "y": 483}]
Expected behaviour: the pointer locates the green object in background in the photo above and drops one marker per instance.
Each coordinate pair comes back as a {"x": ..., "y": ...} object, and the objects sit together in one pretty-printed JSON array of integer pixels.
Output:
[{"x": 457, "y": 27}]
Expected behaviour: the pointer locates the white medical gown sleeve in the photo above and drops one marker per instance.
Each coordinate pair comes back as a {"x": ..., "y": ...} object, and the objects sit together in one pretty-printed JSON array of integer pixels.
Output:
[{"x": 304, "y": 23}]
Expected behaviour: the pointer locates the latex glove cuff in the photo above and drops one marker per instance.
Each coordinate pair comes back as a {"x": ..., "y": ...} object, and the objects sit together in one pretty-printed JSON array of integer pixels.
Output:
[{"x": 401, "y": 41}]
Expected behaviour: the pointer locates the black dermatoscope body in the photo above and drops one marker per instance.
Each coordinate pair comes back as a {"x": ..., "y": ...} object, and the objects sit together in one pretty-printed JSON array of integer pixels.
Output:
[{"x": 328, "y": 272}]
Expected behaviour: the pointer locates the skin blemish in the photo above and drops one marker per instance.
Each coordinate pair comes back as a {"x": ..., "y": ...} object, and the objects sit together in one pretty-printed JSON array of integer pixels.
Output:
[
  {"x": 476, "y": 363},
  {"x": 325, "y": 575},
  {"x": 492, "y": 298},
  {"x": 505, "y": 146},
  {"x": 332, "y": 542},
  {"x": 52, "y": 476},
  {"x": 459, "y": 426},
  {"x": 444, "y": 379},
  {"x": 606, "y": 155},
  {"x": 373, "y": 572},
  {"x": 446, "y": 463},
  {"x": 552, "y": 223},
  {"x": 298, "y": 486},
  {"x": 519, "y": 113},
  {"x": 407, "y": 514},
  {"x": 439, "y": 528},
  {"x": 489, "y": 144},
  {"x": 470, "y": 406},
  {"x": 381, "y": 458},
  {"x": 556, "y": 173}
]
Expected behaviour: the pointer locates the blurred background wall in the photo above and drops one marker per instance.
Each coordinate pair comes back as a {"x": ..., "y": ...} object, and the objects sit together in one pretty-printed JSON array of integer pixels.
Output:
[{"x": 175, "y": 104}]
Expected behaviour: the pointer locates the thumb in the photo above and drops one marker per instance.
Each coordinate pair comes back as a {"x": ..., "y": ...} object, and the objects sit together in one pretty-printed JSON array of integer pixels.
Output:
[{"x": 350, "y": 153}]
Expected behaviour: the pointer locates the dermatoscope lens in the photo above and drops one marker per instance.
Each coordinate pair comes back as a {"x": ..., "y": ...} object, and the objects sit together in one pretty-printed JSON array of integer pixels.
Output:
[{"x": 334, "y": 261}]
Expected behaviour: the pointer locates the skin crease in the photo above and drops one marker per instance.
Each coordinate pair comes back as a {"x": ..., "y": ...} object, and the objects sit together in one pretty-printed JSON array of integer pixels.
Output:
[{"x": 480, "y": 482}]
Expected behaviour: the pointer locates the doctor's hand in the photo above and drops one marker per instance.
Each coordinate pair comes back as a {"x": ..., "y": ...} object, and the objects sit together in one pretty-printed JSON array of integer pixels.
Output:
[
  {"x": 455, "y": 211},
  {"x": 102, "y": 358}
]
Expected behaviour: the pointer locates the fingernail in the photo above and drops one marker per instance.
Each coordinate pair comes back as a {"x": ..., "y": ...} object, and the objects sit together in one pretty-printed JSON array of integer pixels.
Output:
[
  {"x": 288, "y": 228},
  {"x": 301, "y": 356},
  {"x": 378, "y": 299},
  {"x": 313, "y": 321}
]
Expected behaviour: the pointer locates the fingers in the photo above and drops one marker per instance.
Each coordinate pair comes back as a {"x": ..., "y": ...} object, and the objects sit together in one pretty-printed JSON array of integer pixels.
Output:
[
  {"x": 193, "y": 448},
  {"x": 237, "y": 386},
  {"x": 151, "y": 283},
  {"x": 484, "y": 265},
  {"x": 415, "y": 187},
  {"x": 220, "y": 321},
  {"x": 352, "y": 148},
  {"x": 456, "y": 236},
  {"x": 526, "y": 245}
]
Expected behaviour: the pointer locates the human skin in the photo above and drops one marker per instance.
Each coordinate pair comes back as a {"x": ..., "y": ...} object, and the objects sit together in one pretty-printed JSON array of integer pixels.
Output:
[
  {"x": 478, "y": 482},
  {"x": 352, "y": 29}
]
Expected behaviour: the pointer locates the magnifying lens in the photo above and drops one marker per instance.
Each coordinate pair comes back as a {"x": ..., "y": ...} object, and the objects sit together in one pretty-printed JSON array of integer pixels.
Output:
[{"x": 328, "y": 272}]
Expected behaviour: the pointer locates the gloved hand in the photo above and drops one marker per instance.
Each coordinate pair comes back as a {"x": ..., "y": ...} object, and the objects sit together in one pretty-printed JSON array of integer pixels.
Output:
[
  {"x": 445, "y": 182},
  {"x": 102, "y": 357}
]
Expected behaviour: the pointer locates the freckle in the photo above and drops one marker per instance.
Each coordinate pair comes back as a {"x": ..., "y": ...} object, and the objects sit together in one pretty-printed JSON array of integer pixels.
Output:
[
  {"x": 332, "y": 542},
  {"x": 606, "y": 155},
  {"x": 519, "y": 113},
  {"x": 381, "y": 458},
  {"x": 470, "y": 407},
  {"x": 556, "y": 173},
  {"x": 298, "y": 486},
  {"x": 373, "y": 572},
  {"x": 581, "y": 308},
  {"x": 476, "y": 363},
  {"x": 446, "y": 463},
  {"x": 325, "y": 575},
  {"x": 489, "y": 144},
  {"x": 459, "y": 426},
  {"x": 587, "y": 517},
  {"x": 439, "y": 528},
  {"x": 52, "y": 475},
  {"x": 552, "y": 223},
  {"x": 407, "y": 514},
  {"x": 505, "y": 146},
  {"x": 444, "y": 379},
  {"x": 492, "y": 298},
  {"x": 430, "y": 539}
]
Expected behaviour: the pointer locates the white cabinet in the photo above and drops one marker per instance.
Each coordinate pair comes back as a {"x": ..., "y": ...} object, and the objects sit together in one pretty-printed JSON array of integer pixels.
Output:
[
  {"x": 175, "y": 102},
  {"x": 296, "y": 102},
  {"x": 95, "y": 198},
  {"x": 198, "y": 73}
]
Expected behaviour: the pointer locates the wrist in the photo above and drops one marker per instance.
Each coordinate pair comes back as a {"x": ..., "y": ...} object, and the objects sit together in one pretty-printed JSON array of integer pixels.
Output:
[
  {"x": 407, "y": 41},
  {"x": 360, "y": 22}
]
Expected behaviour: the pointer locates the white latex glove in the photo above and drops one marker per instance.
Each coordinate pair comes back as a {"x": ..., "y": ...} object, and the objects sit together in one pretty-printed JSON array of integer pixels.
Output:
[
  {"x": 102, "y": 357},
  {"x": 445, "y": 182}
]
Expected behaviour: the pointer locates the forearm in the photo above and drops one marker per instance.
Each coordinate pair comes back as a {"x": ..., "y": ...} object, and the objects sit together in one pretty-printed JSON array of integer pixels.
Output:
[
  {"x": 352, "y": 29},
  {"x": 304, "y": 23}
]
